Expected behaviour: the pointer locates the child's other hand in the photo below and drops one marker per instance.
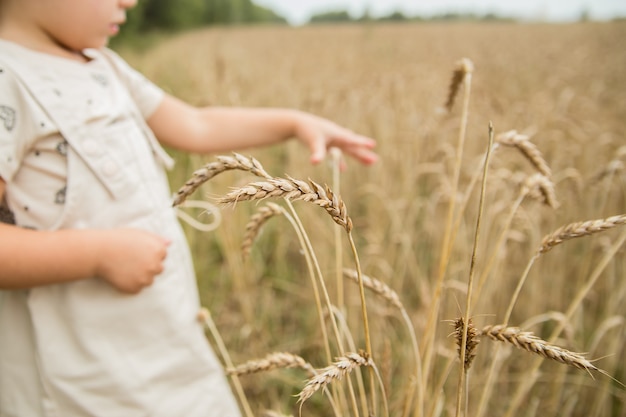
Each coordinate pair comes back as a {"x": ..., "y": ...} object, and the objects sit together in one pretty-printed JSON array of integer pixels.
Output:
[
  {"x": 320, "y": 134},
  {"x": 130, "y": 259}
]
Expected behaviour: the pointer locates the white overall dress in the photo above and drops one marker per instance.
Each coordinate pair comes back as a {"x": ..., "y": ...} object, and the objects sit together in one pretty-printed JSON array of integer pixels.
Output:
[{"x": 84, "y": 348}]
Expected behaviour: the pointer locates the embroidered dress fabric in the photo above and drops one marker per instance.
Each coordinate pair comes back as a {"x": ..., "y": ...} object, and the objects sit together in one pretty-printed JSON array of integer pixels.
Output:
[{"x": 75, "y": 152}]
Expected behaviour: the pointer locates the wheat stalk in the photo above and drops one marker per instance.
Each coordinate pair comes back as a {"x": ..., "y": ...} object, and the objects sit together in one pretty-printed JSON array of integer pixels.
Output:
[
  {"x": 272, "y": 361},
  {"x": 531, "y": 343},
  {"x": 343, "y": 366},
  {"x": 580, "y": 229},
  {"x": 204, "y": 317},
  {"x": 210, "y": 170},
  {"x": 256, "y": 223},
  {"x": 293, "y": 190},
  {"x": 463, "y": 67},
  {"x": 388, "y": 294},
  {"x": 527, "y": 148},
  {"x": 472, "y": 340},
  {"x": 270, "y": 413}
]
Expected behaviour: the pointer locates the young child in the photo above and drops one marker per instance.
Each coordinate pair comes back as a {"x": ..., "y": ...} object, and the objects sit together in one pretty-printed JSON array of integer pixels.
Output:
[{"x": 98, "y": 312}]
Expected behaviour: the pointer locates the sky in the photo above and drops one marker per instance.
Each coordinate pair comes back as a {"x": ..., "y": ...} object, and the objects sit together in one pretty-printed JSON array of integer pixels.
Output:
[{"x": 299, "y": 11}]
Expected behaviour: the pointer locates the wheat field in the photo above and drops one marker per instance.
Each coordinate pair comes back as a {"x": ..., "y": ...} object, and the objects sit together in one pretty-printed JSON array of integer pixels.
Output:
[{"x": 547, "y": 301}]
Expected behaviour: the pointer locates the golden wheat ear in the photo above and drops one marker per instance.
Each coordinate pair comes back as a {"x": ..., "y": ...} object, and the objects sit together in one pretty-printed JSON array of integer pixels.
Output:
[
  {"x": 528, "y": 341},
  {"x": 527, "y": 148},
  {"x": 472, "y": 340},
  {"x": 277, "y": 360},
  {"x": 342, "y": 367},
  {"x": 255, "y": 224},
  {"x": 293, "y": 189},
  {"x": 212, "y": 169},
  {"x": 376, "y": 286},
  {"x": 540, "y": 187},
  {"x": 462, "y": 68},
  {"x": 580, "y": 229}
]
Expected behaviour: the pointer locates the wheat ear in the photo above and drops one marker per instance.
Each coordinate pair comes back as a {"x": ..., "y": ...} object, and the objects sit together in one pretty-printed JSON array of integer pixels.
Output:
[
  {"x": 580, "y": 229},
  {"x": 343, "y": 366},
  {"x": 256, "y": 223},
  {"x": 463, "y": 66},
  {"x": 471, "y": 343},
  {"x": 375, "y": 286},
  {"x": 531, "y": 343},
  {"x": 527, "y": 148},
  {"x": 293, "y": 190},
  {"x": 210, "y": 170},
  {"x": 272, "y": 361},
  {"x": 542, "y": 188}
]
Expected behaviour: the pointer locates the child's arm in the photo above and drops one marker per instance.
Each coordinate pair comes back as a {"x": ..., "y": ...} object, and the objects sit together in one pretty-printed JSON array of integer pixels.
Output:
[
  {"x": 128, "y": 259},
  {"x": 219, "y": 129}
]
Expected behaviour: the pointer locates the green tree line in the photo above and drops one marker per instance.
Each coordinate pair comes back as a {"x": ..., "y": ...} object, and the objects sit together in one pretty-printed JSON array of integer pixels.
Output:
[
  {"x": 151, "y": 15},
  {"x": 342, "y": 16}
]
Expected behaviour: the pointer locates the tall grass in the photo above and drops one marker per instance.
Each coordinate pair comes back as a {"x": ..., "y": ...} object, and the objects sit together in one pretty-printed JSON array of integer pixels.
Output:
[{"x": 562, "y": 88}]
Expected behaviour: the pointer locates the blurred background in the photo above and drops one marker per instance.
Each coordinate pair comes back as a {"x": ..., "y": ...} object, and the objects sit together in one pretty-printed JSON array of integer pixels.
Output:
[
  {"x": 553, "y": 71},
  {"x": 184, "y": 14}
]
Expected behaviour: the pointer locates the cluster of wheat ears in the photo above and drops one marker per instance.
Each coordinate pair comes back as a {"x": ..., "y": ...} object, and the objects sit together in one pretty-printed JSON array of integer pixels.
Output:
[{"x": 365, "y": 393}]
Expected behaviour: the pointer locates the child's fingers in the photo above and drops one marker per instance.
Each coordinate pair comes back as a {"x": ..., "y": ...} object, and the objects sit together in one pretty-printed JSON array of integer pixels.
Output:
[
  {"x": 362, "y": 154},
  {"x": 318, "y": 149}
]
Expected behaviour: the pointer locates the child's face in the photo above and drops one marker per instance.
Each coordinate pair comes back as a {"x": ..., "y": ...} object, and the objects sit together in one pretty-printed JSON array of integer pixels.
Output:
[{"x": 78, "y": 24}]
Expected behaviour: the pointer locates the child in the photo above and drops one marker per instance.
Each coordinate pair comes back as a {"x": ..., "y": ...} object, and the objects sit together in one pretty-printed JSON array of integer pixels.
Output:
[{"x": 98, "y": 316}]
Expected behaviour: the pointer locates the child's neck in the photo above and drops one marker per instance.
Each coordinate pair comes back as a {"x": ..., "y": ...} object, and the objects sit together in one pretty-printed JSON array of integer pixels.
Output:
[{"x": 39, "y": 42}]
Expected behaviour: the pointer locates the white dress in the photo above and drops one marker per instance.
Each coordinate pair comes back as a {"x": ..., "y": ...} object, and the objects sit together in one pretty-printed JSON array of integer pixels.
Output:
[{"x": 76, "y": 153}]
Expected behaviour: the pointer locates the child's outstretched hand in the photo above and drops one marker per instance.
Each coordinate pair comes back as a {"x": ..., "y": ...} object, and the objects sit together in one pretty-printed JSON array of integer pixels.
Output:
[
  {"x": 320, "y": 134},
  {"x": 131, "y": 259}
]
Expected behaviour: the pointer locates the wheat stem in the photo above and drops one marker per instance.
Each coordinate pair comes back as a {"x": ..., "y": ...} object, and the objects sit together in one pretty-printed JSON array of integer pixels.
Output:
[
  {"x": 205, "y": 317},
  {"x": 366, "y": 328},
  {"x": 392, "y": 298},
  {"x": 336, "y": 161},
  {"x": 308, "y": 247},
  {"x": 464, "y": 364},
  {"x": 429, "y": 334}
]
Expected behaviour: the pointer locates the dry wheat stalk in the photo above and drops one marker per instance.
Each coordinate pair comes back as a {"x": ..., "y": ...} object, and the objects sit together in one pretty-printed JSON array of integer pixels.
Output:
[
  {"x": 256, "y": 222},
  {"x": 472, "y": 340},
  {"x": 272, "y": 361},
  {"x": 293, "y": 189},
  {"x": 580, "y": 229},
  {"x": 270, "y": 413},
  {"x": 461, "y": 69},
  {"x": 210, "y": 170},
  {"x": 542, "y": 188},
  {"x": 531, "y": 343},
  {"x": 376, "y": 286},
  {"x": 527, "y": 148},
  {"x": 343, "y": 366}
]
